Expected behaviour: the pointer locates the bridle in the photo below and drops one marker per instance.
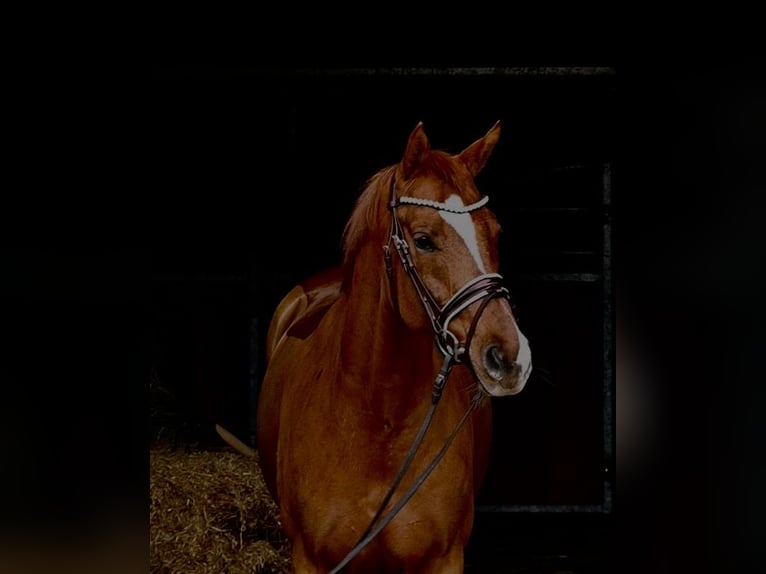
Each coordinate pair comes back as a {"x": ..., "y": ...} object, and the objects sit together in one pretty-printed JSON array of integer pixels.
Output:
[{"x": 483, "y": 288}]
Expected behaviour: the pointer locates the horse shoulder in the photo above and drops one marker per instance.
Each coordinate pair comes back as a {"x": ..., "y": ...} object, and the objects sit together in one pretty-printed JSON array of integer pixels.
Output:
[{"x": 295, "y": 317}]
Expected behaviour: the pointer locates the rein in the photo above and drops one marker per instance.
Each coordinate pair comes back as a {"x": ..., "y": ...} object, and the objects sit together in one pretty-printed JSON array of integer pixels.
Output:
[{"x": 483, "y": 288}]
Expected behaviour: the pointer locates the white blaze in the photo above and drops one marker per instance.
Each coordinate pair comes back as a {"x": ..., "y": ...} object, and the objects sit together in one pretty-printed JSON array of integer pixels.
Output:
[
  {"x": 524, "y": 357},
  {"x": 463, "y": 224}
]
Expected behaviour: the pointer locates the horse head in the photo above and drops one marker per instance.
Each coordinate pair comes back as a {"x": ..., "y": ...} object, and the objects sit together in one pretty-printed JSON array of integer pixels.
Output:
[{"x": 450, "y": 240}]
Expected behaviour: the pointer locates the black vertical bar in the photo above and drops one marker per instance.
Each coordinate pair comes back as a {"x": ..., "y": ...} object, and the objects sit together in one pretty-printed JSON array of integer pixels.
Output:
[{"x": 608, "y": 341}]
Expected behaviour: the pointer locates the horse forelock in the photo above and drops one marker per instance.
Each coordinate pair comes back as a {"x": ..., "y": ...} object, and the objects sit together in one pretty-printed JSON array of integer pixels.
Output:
[{"x": 449, "y": 171}]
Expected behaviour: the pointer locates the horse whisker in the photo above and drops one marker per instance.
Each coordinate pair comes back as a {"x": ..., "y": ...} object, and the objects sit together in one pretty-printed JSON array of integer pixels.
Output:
[{"x": 544, "y": 375}]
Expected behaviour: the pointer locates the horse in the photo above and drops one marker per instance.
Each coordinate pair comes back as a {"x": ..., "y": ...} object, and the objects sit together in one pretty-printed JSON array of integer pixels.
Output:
[{"x": 358, "y": 357}]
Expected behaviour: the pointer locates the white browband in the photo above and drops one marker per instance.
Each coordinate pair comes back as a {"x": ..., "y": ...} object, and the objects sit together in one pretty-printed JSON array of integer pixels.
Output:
[{"x": 443, "y": 206}]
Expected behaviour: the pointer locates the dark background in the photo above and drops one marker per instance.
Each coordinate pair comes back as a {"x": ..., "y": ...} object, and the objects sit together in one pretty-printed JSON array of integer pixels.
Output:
[
  {"x": 691, "y": 272},
  {"x": 191, "y": 161}
]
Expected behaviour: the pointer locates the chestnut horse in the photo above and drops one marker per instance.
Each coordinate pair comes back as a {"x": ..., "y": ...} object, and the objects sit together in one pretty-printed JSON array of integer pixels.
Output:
[{"x": 351, "y": 384}]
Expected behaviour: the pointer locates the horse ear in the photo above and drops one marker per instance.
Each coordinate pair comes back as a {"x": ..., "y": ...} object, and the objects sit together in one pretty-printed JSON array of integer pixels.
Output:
[
  {"x": 417, "y": 147},
  {"x": 475, "y": 155}
]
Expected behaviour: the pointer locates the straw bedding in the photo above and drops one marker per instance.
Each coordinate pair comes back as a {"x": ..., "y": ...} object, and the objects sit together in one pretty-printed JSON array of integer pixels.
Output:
[{"x": 210, "y": 512}]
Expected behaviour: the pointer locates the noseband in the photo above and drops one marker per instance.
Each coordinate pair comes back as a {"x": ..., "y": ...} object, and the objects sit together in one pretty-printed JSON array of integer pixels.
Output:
[{"x": 483, "y": 288}]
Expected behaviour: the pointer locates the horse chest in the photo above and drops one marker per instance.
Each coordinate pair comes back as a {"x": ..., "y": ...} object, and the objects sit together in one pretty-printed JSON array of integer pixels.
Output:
[
  {"x": 427, "y": 526},
  {"x": 336, "y": 492}
]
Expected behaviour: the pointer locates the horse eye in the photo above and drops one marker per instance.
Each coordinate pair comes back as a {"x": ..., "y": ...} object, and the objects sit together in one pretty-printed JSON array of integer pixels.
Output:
[{"x": 424, "y": 243}]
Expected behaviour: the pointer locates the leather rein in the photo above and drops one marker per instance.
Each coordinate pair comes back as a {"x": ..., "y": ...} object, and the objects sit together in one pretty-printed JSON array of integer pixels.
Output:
[{"x": 484, "y": 288}]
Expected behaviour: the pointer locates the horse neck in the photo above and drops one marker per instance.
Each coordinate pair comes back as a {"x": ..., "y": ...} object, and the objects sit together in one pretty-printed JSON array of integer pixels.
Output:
[{"x": 390, "y": 366}]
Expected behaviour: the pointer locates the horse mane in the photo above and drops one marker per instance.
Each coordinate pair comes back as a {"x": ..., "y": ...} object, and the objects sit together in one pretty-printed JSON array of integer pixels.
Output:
[{"x": 368, "y": 216}]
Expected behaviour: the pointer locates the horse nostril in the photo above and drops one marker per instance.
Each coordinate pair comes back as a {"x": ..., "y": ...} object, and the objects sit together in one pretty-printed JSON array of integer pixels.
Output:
[{"x": 495, "y": 362}]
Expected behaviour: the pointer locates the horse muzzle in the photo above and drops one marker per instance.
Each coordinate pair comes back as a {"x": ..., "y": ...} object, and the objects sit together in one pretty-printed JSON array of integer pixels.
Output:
[
  {"x": 505, "y": 376},
  {"x": 499, "y": 353}
]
